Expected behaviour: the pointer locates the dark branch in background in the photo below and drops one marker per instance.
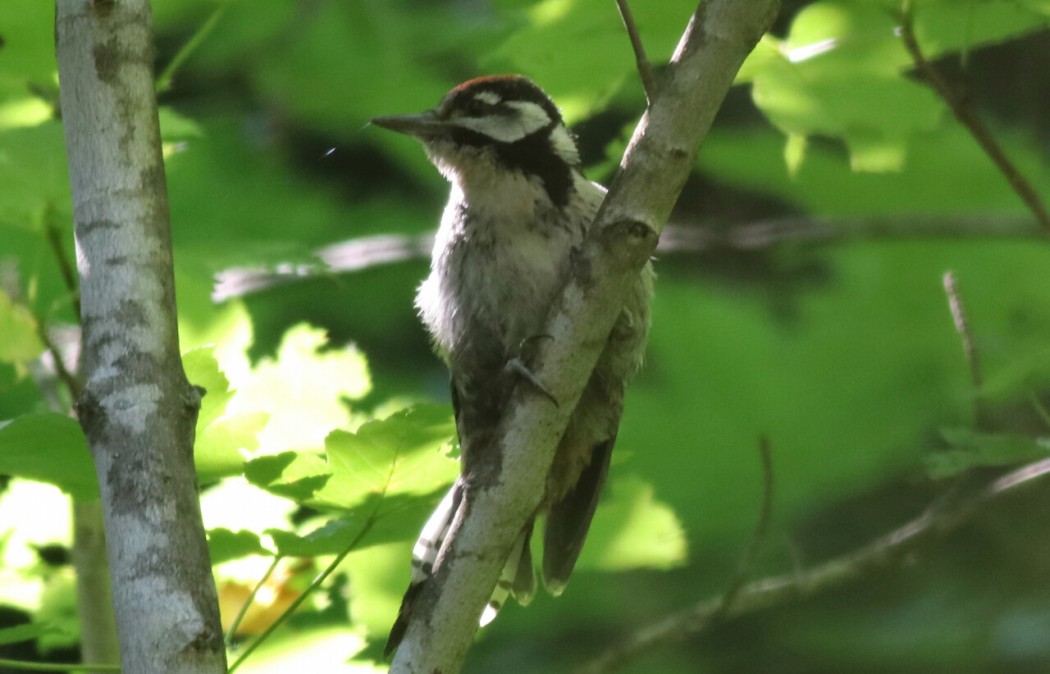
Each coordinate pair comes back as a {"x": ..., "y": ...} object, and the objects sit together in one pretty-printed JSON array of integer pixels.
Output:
[
  {"x": 620, "y": 656},
  {"x": 964, "y": 112},
  {"x": 645, "y": 69},
  {"x": 778, "y": 590},
  {"x": 368, "y": 252},
  {"x": 962, "y": 326}
]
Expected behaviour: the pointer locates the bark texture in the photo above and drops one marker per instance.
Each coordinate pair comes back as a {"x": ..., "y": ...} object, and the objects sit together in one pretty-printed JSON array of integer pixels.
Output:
[{"x": 137, "y": 408}]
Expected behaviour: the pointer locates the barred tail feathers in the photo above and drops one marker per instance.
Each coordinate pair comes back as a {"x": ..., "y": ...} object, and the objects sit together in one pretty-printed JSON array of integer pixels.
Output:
[
  {"x": 517, "y": 577},
  {"x": 424, "y": 554}
]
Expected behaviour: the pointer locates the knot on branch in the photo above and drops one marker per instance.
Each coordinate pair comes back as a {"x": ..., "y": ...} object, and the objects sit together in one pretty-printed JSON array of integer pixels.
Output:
[{"x": 630, "y": 241}]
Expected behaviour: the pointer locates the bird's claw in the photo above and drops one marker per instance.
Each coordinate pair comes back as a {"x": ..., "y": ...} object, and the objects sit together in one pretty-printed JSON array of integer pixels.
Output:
[{"x": 517, "y": 366}]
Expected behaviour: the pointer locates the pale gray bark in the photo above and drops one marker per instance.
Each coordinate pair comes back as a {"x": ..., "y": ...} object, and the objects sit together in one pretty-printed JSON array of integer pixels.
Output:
[
  {"x": 137, "y": 408},
  {"x": 658, "y": 160}
]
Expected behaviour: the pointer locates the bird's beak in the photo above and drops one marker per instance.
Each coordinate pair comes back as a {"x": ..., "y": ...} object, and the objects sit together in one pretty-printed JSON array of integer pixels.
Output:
[{"x": 423, "y": 125}]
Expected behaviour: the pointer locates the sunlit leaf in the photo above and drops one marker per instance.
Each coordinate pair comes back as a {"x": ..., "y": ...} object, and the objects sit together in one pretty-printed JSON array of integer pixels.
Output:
[
  {"x": 295, "y": 475},
  {"x": 49, "y": 448},
  {"x": 312, "y": 648},
  {"x": 303, "y": 390},
  {"x": 29, "y": 632},
  {"x": 20, "y": 342},
  {"x": 633, "y": 530},
  {"x": 224, "y": 545},
  {"x": 332, "y": 538},
  {"x": 403, "y": 454},
  {"x": 223, "y": 440}
]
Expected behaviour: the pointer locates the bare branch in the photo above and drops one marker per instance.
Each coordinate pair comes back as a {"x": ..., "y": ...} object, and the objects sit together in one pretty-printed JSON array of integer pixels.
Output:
[
  {"x": 962, "y": 326},
  {"x": 374, "y": 251},
  {"x": 774, "y": 591},
  {"x": 662, "y": 152},
  {"x": 645, "y": 69},
  {"x": 765, "y": 513},
  {"x": 964, "y": 112}
]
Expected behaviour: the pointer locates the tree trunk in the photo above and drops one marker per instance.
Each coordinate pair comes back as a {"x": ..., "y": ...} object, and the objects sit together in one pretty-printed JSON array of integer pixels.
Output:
[{"x": 137, "y": 409}]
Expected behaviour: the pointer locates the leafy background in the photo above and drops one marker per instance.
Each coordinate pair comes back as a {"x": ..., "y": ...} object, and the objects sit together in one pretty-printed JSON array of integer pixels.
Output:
[{"x": 298, "y": 234}]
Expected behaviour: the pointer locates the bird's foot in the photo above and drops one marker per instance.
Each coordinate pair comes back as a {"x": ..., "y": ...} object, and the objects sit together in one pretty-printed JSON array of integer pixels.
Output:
[{"x": 517, "y": 366}]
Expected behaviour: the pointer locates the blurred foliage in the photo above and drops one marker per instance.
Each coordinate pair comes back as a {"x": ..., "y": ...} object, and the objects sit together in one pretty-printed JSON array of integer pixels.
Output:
[{"x": 325, "y": 422}]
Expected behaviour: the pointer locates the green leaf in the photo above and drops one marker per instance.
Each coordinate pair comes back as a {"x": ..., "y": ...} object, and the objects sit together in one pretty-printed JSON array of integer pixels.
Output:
[
  {"x": 331, "y": 539},
  {"x": 945, "y": 26},
  {"x": 378, "y": 520},
  {"x": 225, "y": 545},
  {"x": 20, "y": 343},
  {"x": 220, "y": 448},
  {"x": 633, "y": 530},
  {"x": 222, "y": 441},
  {"x": 972, "y": 449},
  {"x": 34, "y": 181},
  {"x": 175, "y": 127},
  {"x": 28, "y": 54},
  {"x": 389, "y": 475},
  {"x": 49, "y": 448},
  {"x": 294, "y": 475},
  {"x": 601, "y": 61},
  {"x": 405, "y": 453},
  {"x": 303, "y": 390},
  {"x": 202, "y": 370},
  {"x": 841, "y": 70},
  {"x": 29, "y": 632}
]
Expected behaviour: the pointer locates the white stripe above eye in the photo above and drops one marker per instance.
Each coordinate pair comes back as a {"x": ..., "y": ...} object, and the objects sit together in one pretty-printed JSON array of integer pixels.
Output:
[
  {"x": 527, "y": 118},
  {"x": 490, "y": 97}
]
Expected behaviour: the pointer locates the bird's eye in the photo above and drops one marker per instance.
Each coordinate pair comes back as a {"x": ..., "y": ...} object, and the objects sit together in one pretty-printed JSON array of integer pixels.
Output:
[{"x": 477, "y": 108}]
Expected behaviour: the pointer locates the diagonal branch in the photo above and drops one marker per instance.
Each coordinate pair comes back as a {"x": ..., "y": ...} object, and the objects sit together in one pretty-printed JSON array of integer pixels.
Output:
[
  {"x": 774, "y": 591},
  {"x": 964, "y": 112},
  {"x": 659, "y": 158}
]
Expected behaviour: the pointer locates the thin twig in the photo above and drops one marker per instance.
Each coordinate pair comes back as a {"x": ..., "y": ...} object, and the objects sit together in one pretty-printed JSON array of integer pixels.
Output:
[
  {"x": 314, "y": 584},
  {"x": 962, "y": 326},
  {"x": 765, "y": 513},
  {"x": 239, "y": 618},
  {"x": 164, "y": 81},
  {"x": 69, "y": 276},
  {"x": 620, "y": 656},
  {"x": 70, "y": 380},
  {"x": 778, "y": 590},
  {"x": 964, "y": 112},
  {"x": 645, "y": 69}
]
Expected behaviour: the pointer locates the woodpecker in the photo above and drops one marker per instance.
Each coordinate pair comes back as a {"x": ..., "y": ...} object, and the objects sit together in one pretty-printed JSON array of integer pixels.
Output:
[{"x": 519, "y": 206}]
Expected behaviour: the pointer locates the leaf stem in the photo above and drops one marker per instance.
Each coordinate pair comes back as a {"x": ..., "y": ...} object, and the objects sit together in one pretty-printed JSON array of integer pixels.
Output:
[
  {"x": 56, "y": 666},
  {"x": 250, "y": 600},
  {"x": 287, "y": 613},
  {"x": 645, "y": 69},
  {"x": 167, "y": 77}
]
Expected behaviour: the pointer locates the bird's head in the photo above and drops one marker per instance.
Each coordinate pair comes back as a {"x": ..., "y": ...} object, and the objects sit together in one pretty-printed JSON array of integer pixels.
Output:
[{"x": 488, "y": 125}]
